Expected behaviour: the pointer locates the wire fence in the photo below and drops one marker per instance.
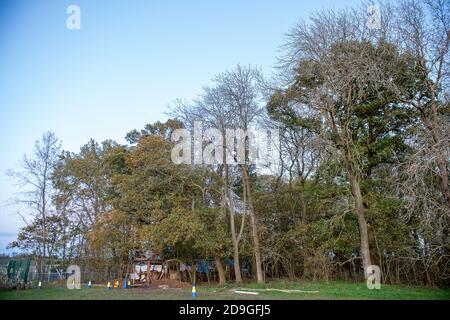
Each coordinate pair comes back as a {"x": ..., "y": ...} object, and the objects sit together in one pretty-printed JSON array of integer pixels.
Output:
[{"x": 85, "y": 276}]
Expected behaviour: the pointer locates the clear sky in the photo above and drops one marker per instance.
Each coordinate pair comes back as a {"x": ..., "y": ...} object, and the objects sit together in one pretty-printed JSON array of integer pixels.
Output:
[{"x": 120, "y": 70}]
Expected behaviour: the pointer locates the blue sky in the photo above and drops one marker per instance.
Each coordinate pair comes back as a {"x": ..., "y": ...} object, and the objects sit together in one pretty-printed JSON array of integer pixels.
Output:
[{"x": 129, "y": 60}]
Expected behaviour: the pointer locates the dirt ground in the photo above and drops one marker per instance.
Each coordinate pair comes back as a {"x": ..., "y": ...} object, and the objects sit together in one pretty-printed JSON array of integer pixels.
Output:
[{"x": 171, "y": 283}]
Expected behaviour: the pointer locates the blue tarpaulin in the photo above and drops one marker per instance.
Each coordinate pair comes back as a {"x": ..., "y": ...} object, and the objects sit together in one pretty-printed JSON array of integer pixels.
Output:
[{"x": 202, "y": 267}]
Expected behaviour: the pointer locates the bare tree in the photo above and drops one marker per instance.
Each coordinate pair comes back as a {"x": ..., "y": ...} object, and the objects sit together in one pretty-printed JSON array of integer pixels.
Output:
[
  {"x": 209, "y": 108},
  {"x": 233, "y": 102},
  {"x": 34, "y": 175},
  {"x": 424, "y": 30},
  {"x": 241, "y": 95}
]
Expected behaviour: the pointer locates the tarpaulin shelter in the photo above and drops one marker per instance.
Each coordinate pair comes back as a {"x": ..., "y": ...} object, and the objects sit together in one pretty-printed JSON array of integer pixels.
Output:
[{"x": 18, "y": 270}]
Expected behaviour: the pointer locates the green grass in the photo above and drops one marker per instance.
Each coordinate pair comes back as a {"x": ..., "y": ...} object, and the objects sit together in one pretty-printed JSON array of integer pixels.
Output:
[{"x": 332, "y": 290}]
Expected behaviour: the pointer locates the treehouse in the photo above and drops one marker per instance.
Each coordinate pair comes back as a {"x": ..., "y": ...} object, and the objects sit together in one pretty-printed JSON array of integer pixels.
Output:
[{"x": 147, "y": 269}]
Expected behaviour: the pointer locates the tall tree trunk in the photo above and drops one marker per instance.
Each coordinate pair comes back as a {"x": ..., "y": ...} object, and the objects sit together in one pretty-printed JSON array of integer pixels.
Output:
[
  {"x": 253, "y": 225},
  {"x": 44, "y": 220},
  {"x": 359, "y": 208},
  {"x": 220, "y": 271},
  {"x": 443, "y": 178},
  {"x": 237, "y": 266},
  {"x": 342, "y": 143},
  {"x": 229, "y": 203},
  {"x": 438, "y": 142}
]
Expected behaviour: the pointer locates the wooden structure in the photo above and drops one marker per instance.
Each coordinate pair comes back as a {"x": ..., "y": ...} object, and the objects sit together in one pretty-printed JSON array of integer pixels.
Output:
[
  {"x": 147, "y": 270},
  {"x": 152, "y": 268}
]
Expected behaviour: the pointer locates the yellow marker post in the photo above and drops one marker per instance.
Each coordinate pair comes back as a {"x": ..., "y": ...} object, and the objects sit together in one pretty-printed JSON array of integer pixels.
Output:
[{"x": 194, "y": 292}]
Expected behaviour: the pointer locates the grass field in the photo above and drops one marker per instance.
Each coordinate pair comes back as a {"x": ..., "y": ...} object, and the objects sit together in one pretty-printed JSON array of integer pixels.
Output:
[{"x": 332, "y": 290}]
